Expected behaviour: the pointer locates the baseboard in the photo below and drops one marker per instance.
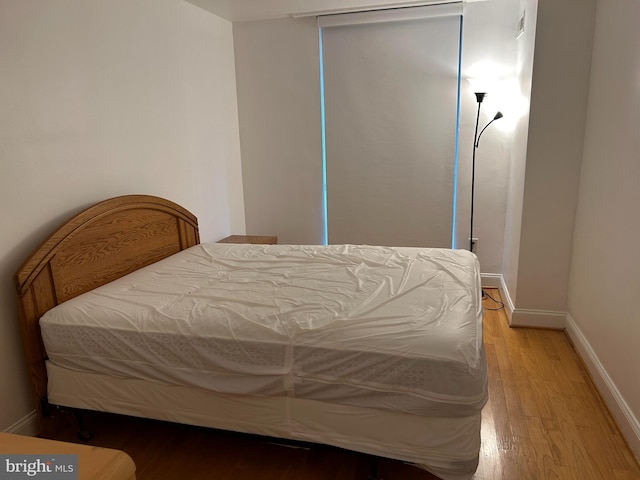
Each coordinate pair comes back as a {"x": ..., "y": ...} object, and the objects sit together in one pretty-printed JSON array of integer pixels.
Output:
[
  {"x": 496, "y": 280},
  {"x": 28, "y": 425},
  {"x": 491, "y": 280},
  {"x": 538, "y": 319},
  {"x": 626, "y": 420},
  {"x": 519, "y": 317}
]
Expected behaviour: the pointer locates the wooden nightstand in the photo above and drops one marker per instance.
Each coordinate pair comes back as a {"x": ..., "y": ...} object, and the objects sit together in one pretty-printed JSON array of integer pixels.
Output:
[
  {"x": 94, "y": 463},
  {"x": 253, "y": 239}
]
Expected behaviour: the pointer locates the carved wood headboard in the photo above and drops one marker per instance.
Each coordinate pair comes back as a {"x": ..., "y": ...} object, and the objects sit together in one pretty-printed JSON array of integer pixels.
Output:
[{"x": 100, "y": 244}]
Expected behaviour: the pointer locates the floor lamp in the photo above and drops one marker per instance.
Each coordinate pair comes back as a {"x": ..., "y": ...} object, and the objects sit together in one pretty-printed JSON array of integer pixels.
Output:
[{"x": 476, "y": 141}]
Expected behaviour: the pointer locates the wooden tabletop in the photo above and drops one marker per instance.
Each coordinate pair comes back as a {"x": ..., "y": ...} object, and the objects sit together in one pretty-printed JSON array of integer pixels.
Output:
[
  {"x": 253, "y": 239},
  {"x": 94, "y": 463}
]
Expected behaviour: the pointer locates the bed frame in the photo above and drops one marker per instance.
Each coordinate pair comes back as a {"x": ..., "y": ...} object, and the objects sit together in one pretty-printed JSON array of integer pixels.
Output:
[{"x": 100, "y": 244}]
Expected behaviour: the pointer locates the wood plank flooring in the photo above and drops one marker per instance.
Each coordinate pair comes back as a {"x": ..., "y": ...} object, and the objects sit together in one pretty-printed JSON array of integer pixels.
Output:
[{"x": 544, "y": 420}]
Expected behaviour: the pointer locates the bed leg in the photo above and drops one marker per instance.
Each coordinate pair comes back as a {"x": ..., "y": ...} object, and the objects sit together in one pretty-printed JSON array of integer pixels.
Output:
[
  {"x": 50, "y": 418},
  {"x": 373, "y": 465},
  {"x": 45, "y": 407},
  {"x": 84, "y": 433}
]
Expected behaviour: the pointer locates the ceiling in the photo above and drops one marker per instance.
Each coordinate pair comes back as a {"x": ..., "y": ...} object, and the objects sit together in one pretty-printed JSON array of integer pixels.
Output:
[{"x": 251, "y": 10}]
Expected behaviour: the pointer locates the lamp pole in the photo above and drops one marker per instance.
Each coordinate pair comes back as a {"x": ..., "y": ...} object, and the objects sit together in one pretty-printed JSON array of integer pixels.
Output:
[
  {"x": 476, "y": 142},
  {"x": 479, "y": 97}
]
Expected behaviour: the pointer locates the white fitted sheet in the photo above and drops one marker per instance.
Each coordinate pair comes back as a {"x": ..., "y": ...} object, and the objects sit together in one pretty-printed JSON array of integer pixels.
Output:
[{"x": 390, "y": 328}]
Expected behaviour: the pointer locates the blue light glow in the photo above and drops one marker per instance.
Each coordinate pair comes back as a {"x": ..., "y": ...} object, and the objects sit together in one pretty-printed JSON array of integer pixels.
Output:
[
  {"x": 455, "y": 163},
  {"x": 324, "y": 147}
]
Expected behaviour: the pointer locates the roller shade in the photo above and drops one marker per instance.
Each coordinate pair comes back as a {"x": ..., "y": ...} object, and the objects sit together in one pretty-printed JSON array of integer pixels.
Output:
[{"x": 391, "y": 105}]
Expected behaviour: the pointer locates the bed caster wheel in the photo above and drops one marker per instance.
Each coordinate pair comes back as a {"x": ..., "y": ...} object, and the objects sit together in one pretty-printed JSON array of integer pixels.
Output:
[
  {"x": 373, "y": 472},
  {"x": 85, "y": 435}
]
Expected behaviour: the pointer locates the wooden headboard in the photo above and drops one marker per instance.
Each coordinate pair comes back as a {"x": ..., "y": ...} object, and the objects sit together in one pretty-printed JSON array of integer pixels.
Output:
[{"x": 102, "y": 243}]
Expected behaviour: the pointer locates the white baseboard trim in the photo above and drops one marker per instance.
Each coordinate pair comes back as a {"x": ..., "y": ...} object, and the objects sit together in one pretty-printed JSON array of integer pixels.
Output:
[
  {"x": 626, "y": 420},
  {"x": 538, "y": 319},
  {"x": 519, "y": 317},
  {"x": 496, "y": 280},
  {"x": 491, "y": 280},
  {"x": 28, "y": 425}
]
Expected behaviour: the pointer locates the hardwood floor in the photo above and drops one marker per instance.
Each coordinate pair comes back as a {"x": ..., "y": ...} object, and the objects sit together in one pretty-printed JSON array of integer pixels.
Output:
[{"x": 544, "y": 420}]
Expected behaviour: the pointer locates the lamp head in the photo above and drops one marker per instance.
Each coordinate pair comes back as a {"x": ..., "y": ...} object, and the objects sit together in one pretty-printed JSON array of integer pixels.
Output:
[
  {"x": 480, "y": 96},
  {"x": 497, "y": 116}
]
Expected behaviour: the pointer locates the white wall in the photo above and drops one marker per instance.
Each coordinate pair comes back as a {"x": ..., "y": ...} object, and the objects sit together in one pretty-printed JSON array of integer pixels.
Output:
[
  {"x": 102, "y": 99},
  {"x": 604, "y": 282},
  {"x": 278, "y": 71},
  {"x": 515, "y": 189},
  {"x": 561, "y": 69}
]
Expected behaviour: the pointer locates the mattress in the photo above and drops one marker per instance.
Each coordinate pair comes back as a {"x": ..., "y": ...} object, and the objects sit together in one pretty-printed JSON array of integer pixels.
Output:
[{"x": 397, "y": 329}]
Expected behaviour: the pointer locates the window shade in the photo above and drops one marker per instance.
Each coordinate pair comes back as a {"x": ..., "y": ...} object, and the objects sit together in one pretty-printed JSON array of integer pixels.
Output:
[{"x": 390, "y": 97}]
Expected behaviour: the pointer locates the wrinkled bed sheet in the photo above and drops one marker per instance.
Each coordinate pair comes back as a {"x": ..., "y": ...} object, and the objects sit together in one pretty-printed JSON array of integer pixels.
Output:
[{"x": 392, "y": 328}]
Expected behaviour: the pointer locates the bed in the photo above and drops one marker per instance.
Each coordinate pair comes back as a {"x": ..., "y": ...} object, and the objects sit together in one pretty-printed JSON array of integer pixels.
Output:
[{"x": 372, "y": 349}]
